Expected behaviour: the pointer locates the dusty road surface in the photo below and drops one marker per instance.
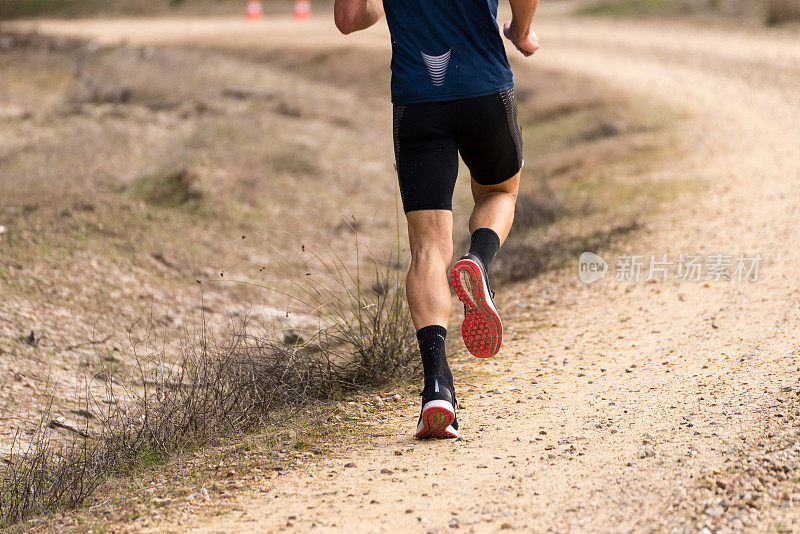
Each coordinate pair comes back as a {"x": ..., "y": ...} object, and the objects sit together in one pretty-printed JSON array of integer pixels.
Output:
[{"x": 618, "y": 406}]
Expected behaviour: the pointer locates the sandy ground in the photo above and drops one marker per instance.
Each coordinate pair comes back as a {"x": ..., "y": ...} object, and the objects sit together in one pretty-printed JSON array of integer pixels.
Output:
[{"x": 617, "y": 406}]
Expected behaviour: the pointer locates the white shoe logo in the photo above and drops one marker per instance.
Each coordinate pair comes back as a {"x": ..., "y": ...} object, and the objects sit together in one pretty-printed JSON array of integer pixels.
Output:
[
  {"x": 437, "y": 386},
  {"x": 437, "y": 66}
]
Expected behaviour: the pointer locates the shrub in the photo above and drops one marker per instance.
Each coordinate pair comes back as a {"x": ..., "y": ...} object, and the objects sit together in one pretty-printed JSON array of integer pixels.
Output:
[{"x": 216, "y": 390}]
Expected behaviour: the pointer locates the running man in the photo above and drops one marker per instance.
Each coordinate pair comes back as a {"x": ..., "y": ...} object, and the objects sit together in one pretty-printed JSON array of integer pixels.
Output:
[{"x": 453, "y": 93}]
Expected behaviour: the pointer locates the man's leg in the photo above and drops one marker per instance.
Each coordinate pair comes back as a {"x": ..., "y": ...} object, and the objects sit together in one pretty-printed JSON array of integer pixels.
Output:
[
  {"x": 427, "y": 169},
  {"x": 490, "y": 224},
  {"x": 430, "y": 235},
  {"x": 494, "y": 207}
]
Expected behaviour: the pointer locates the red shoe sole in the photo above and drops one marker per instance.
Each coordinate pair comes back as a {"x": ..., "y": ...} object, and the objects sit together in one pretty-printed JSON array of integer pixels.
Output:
[
  {"x": 482, "y": 328},
  {"x": 435, "y": 424}
]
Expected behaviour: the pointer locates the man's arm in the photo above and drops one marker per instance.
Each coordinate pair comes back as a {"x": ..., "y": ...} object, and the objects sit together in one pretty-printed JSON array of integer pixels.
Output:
[
  {"x": 519, "y": 31},
  {"x": 353, "y": 15}
]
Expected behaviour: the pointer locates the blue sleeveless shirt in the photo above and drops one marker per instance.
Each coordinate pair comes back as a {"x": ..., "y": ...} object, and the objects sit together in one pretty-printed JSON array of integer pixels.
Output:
[{"x": 445, "y": 50}]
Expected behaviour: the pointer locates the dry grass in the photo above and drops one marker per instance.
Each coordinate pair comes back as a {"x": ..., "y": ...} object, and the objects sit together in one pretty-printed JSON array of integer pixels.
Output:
[{"x": 216, "y": 389}]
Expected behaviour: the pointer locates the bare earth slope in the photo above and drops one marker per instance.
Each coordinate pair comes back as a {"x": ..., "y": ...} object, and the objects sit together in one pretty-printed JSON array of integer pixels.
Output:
[{"x": 622, "y": 407}]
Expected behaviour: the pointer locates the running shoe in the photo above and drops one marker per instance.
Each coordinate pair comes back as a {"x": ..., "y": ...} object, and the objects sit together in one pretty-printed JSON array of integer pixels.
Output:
[
  {"x": 482, "y": 328},
  {"x": 437, "y": 420}
]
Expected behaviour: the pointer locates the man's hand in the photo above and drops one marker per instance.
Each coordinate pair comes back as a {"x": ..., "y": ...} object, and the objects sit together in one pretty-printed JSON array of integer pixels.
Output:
[{"x": 527, "y": 44}]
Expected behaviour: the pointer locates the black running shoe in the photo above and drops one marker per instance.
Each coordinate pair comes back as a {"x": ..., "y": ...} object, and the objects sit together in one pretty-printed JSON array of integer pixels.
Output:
[
  {"x": 482, "y": 328},
  {"x": 438, "y": 417}
]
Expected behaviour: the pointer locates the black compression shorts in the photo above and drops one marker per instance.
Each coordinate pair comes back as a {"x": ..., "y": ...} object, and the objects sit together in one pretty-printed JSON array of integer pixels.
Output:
[{"x": 429, "y": 136}]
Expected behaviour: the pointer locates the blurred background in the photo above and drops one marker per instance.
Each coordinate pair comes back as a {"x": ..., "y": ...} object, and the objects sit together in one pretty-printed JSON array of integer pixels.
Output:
[{"x": 768, "y": 11}]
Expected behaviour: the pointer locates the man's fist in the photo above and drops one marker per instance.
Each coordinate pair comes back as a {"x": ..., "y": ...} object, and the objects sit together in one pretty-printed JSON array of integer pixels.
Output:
[{"x": 526, "y": 44}]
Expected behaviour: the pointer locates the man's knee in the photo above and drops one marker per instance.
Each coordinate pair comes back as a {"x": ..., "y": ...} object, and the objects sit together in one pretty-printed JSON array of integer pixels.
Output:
[
  {"x": 430, "y": 236},
  {"x": 434, "y": 249},
  {"x": 509, "y": 188}
]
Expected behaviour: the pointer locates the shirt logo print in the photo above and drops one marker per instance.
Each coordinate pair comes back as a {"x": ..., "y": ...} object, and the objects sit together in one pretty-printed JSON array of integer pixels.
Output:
[{"x": 437, "y": 66}]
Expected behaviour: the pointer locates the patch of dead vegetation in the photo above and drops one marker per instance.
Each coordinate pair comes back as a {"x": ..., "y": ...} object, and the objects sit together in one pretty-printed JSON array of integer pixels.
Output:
[
  {"x": 526, "y": 257},
  {"x": 147, "y": 412},
  {"x": 781, "y": 11},
  {"x": 167, "y": 189}
]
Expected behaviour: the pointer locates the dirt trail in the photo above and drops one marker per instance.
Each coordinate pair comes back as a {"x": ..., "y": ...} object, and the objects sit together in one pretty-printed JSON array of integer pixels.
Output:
[{"x": 612, "y": 402}]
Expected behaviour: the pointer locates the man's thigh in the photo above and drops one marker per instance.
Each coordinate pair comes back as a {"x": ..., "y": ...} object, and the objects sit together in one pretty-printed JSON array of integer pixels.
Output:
[
  {"x": 489, "y": 137},
  {"x": 426, "y": 155}
]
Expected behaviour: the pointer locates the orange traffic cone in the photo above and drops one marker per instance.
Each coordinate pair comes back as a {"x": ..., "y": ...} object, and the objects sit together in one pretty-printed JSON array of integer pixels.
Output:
[
  {"x": 254, "y": 10},
  {"x": 302, "y": 9}
]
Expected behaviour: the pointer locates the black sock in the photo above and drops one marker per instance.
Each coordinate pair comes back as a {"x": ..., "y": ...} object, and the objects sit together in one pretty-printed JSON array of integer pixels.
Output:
[
  {"x": 431, "y": 347},
  {"x": 485, "y": 243}
]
